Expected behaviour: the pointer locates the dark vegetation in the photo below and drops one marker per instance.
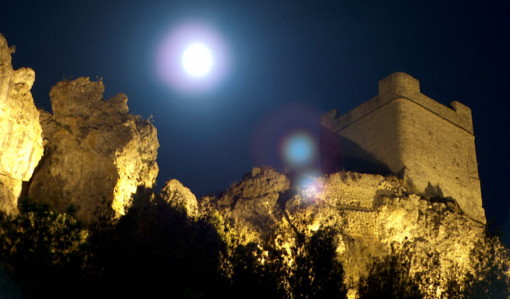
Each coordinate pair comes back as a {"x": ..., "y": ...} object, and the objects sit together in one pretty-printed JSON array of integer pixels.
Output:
[
  {"x": 156, "y": 251},
  {"x": 390, "y": 278}
]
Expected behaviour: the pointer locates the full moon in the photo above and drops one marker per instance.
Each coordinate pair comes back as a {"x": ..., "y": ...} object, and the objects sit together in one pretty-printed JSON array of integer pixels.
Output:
[
  {"x": 192, "y": 59},
  {"x": 197, "y": 60}
]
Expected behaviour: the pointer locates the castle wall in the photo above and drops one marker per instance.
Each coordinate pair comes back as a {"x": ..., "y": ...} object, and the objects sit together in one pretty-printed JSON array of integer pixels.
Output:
[
  {"x": 439, "y": 157},
  {"x": 379, "y": 141},
  {"x": 429, "y": 145}
]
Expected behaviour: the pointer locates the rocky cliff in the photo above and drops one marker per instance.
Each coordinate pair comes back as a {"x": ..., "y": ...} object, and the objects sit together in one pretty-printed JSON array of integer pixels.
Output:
[
  {"x": 20, "y": 133},
  {"x": 96, "y": 153},
  {"x": 372, "y": 216}
]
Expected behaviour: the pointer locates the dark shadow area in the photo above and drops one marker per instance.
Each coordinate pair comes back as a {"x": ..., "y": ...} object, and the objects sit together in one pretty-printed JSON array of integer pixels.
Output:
[
  {"x": 152, "y": 251},
  {"x": 318, "y": 273},
  {"x": 490, "y": 261},
  {"x": 433, "y": 191},
  {"x": 250, "y": 278},
  {"x": 339, "y": 153},
  {"x": 41, "y": 253},
  {"x": 389, "y": 277}
]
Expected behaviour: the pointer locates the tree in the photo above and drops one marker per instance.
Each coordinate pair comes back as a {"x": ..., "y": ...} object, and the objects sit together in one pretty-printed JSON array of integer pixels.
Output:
[
  {"x": 491, "y": 261},
  {"x": 317, "y": 272},
  {"x": 390, "y": 277},
  {"x": 42, "y": 251}
]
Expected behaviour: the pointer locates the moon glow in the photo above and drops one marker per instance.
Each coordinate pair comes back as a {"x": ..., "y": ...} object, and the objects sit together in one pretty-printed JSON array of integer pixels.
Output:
[
  {"x": 192, "y": 59},
  {"x": 197, "y": 60}
]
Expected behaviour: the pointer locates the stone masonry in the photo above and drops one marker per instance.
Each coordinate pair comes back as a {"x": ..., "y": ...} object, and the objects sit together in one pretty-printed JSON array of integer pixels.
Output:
[{"x": 427, "y": 144}]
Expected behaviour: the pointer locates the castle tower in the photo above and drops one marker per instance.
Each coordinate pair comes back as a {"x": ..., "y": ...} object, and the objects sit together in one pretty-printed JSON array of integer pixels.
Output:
[{"x": 404, "y": 132}]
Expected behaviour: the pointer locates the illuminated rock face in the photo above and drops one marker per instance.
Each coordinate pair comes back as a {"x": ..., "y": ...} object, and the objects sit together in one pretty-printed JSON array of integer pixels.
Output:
[
  {"x": 251, "y": 205},
  {"x": 21, "y": 144},
  {"x": 97, "y": 154},
  {"x": 180, "y": 197},
  {"x": 369, "y": 213},
  {"x": 429, "y": 145}
]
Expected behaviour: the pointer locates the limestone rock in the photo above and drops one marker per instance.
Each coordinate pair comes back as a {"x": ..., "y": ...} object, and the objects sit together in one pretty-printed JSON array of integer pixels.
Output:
[
  {"x": 371, "y": 214},
  {"x": 21, "y": 145},
  {"x": 97, "y": 154},
  {"x": 180, "y": 198},
  {"x": 251, "y": 205}
]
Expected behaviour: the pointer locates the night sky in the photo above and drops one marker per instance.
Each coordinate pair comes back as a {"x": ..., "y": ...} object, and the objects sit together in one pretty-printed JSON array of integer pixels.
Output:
[{"x": 288, "y": 62}]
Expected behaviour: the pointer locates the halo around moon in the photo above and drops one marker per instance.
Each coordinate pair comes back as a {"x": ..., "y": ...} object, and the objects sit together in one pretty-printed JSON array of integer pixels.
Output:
[{"x": 191, "y": 58}]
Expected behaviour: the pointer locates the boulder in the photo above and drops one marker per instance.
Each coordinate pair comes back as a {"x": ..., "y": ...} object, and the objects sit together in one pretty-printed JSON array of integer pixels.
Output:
[{"x": 181, "y": 198}]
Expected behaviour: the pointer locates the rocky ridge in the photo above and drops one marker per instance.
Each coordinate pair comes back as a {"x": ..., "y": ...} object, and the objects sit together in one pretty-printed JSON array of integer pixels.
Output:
[{"x": 371, "y": 215}]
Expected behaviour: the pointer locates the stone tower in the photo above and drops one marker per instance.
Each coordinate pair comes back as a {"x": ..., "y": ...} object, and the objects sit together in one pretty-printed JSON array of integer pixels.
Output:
[{"x": 404, "y": 132}]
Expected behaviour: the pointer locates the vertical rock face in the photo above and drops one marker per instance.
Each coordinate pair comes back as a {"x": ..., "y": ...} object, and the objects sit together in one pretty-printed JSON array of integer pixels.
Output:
[
  {"x": 20, "y": 132},
  {"x": 97, "y": 154}
]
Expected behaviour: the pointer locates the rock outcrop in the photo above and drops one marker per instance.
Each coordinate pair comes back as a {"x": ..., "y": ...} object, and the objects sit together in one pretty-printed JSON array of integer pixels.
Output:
[
  {"x": 181, "y": 198},
  {"x": 97, "y": 154},
  {"x": 371, "y": 215},
  {"x": 250, "y": 206},
  {"x": 21, "y": 144}
]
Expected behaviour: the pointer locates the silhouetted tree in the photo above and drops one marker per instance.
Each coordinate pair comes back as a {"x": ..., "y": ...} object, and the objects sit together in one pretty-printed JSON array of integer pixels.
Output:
[
  {"x": 41, "y": 252},
  {"x": 491, "y": 261},
  {"x": 252, "y": 277},
  {"x": 153, "y": 250},
  {"x": 389, "y": 278},
  {"x": 318, "y": 273}
]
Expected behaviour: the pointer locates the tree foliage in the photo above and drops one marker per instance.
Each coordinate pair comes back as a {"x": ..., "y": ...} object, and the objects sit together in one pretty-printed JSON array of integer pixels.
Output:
[
  {"x": 390, "y": 277},
  {"x": 156, "y": 249},
  {"x": 317, "y": 272},
  {"x": 40, "y": 251},
  {"x": 491, "y": 278}
]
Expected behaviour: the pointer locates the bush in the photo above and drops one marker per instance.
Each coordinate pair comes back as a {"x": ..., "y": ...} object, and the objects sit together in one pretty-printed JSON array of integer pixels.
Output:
[
  {"x": 318, "y": 273},
  {"x": 390, "y": 277},
  {"x": 155, "y": 249},
  {"x": 42, "y": 251},
  {"x": 491, "y": 261}
]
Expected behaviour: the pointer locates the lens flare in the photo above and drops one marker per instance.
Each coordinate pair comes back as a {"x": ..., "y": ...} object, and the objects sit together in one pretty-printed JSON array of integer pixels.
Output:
[
  {"x": 299, "y": 149},
  {"x": 310, "y": 185},
  {"x": 273, "y": 132}
]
